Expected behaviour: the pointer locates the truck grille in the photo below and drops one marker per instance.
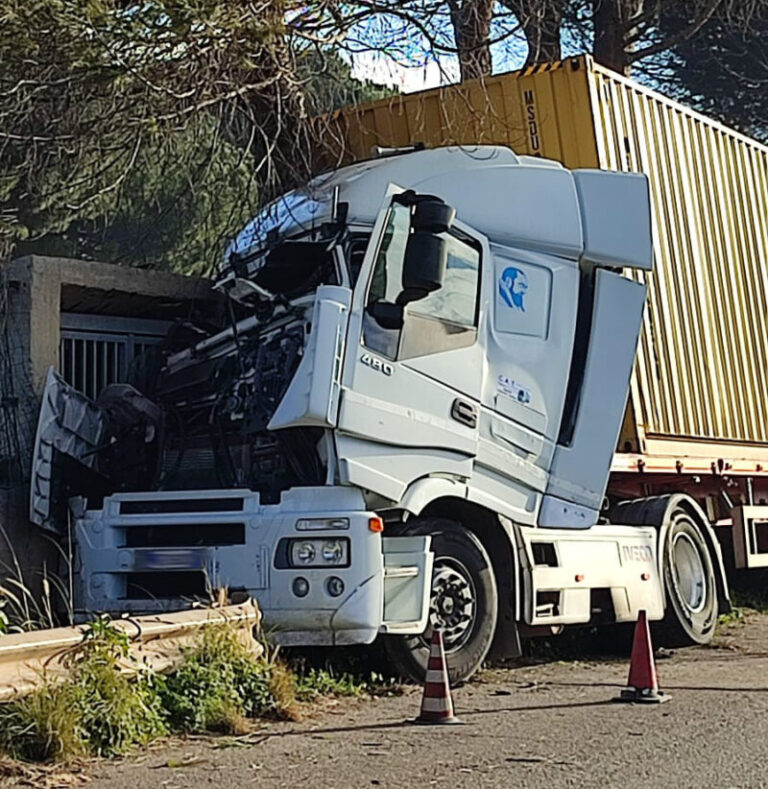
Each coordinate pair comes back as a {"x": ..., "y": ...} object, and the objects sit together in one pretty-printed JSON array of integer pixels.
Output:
[{"x": 157, "y": 506}]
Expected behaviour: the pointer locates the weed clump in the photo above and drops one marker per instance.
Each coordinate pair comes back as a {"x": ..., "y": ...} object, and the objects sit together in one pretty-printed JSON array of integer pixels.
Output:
[
  {"x": 96, "y": 709},
  {"x": 116, "y": 711},
  {"x": 43, "y": 726},
  {"x": 219, "y": 683}
]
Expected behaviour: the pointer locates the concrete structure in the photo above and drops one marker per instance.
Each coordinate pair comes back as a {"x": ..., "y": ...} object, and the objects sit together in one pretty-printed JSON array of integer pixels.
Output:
[{"x": 36, "y": 294}]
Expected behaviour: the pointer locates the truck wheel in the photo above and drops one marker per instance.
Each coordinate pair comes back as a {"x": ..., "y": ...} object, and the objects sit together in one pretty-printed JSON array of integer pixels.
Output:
[
  {"x": 689, "y": 582},
  {"x": 464, "y": 604}
]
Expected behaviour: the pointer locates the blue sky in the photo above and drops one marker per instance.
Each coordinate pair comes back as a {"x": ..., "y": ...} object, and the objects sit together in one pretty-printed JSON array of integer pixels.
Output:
[{"x": 388, "y": 50}]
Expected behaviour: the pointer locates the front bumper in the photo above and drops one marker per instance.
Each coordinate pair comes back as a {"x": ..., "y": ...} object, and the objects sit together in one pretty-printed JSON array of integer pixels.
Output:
[
  {"x": 145, "y": 552},
  {"x": 148, "y": 552}
]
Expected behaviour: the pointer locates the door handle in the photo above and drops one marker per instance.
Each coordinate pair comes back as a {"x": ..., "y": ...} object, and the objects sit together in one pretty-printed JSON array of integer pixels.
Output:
[{"x": 464, "y": 412}]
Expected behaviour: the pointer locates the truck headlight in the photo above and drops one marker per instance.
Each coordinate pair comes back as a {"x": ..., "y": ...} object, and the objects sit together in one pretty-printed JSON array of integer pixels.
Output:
[
  {"x": 333, "y": 551},
  {"x": 303, "y": 553},
  {"x": 319, "y": 553}
]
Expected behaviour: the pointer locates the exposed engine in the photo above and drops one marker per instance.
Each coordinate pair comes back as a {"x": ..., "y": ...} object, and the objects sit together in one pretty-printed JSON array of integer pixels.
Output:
[
  {"x": 218, "y": 398},
  {"x": 196, "y": 409}
]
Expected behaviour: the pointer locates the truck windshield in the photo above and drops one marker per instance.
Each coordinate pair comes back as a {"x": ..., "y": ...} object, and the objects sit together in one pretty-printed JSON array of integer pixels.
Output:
[{"x": 294, "y": 268}]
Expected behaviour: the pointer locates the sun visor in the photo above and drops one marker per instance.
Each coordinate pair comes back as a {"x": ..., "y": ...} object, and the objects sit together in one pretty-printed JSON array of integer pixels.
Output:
[{"x": 616, "y": 219}]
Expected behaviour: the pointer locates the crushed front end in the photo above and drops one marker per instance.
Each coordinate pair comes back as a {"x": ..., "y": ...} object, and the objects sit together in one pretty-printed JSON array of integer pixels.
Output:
[
  {"x": 160, "y": 551},
  {"x": 215, "y": 467}
]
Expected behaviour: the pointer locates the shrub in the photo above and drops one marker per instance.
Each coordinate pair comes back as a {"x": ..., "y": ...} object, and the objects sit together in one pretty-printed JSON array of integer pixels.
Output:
[
  {"x": 219, "y": 682},
  {"x": 96, "y": 709},
  {"x": 117, "y": 711}
]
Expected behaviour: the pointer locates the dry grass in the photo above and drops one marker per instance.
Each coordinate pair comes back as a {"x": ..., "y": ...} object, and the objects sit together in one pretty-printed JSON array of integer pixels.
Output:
[
  {"x": 283, "y": 686},
  {"x": 15, "y": 773}
]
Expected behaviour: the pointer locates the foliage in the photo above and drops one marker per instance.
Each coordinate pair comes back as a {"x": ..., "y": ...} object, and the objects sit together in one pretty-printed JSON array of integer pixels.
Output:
[
  {"x": 736, "y": 614},
  {"x": 724, "y": 71},
  {"x": 177, "y": 207},
  {"x": 325, "y": 682},
  {"x": 132, "y": 85},
  {"x": 97, "y": 709},
  {"x": 330, "y": 84},
  {"x": 44, "y": 725},
  {"x": 115, "y": 711},
  {"x": 352, "y": 672},
  {"x": 219, "y": 682}
]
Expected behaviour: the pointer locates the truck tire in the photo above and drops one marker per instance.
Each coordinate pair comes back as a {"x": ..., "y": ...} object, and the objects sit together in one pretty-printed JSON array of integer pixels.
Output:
[
  {"x": 464, "y": 603},
  {"x": 689, "y": 583}
]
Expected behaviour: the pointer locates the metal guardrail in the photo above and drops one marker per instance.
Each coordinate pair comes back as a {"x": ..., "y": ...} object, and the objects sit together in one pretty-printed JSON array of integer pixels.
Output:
[{"x": 157, "y": 640}]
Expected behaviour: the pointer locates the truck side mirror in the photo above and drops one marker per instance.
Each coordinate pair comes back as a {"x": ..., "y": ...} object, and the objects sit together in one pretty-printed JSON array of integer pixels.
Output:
[
  {"x": 387, "y": 315},
  {"x": 424, "y": 264},
  {"x": 432, "y": 214}
]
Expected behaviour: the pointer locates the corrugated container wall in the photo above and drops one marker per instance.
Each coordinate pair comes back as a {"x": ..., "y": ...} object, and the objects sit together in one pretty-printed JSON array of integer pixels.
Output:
[{"x": 702, "y": 369}]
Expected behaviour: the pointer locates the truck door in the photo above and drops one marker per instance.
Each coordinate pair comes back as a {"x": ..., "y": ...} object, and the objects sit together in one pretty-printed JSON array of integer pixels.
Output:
[{"x": 413, "y": 374}]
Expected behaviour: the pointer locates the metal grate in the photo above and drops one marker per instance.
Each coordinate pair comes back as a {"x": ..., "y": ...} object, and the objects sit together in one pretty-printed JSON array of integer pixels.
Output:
[{"x": 96, "y": 350}]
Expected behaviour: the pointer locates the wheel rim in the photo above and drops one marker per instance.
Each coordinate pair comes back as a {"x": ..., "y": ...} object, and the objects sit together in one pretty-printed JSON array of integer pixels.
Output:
[
  {"x": 453, "y": 604},
  {"x": 689, "y": 573}
]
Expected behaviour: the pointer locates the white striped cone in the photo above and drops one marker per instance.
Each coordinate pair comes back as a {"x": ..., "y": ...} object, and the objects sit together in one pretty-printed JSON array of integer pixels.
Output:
[{"x": 437, "y": 704}]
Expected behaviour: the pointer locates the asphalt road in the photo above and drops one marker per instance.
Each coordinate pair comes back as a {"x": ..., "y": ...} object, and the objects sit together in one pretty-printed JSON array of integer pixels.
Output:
[{"x": 551, "y": 725}]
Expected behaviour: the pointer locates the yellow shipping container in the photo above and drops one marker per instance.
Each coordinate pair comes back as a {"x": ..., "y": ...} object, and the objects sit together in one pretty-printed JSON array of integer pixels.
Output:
[{"x": 700, "y": 389}]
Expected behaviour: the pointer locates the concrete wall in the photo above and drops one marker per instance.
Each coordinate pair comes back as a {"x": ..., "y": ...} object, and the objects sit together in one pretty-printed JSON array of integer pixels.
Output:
[{"x": 33, "y": 293}]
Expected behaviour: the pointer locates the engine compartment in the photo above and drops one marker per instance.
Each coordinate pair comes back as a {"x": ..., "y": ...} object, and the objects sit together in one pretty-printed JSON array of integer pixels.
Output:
[{"x": 217, "y": 406}]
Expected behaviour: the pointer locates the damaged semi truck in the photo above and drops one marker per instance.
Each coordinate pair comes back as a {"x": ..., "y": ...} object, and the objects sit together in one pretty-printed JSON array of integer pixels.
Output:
[{"x": 412, "y": 420}]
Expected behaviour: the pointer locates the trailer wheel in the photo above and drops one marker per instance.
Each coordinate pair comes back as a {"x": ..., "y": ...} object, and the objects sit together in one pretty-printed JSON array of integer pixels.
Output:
[
  {"x": 464, "y": 604},
  {"x": 689, "y": 582}
]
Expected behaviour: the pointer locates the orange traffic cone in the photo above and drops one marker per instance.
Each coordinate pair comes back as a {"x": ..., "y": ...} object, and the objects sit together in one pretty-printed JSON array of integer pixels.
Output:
[
  {"x": 437, "y": 704},
  {"x": 642, "y": 685}
]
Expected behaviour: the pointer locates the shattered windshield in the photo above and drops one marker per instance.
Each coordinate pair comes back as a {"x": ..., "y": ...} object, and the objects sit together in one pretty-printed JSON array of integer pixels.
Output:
[
  {"x": 296, "y": 267},
  {"x": 290, "y": 214}
]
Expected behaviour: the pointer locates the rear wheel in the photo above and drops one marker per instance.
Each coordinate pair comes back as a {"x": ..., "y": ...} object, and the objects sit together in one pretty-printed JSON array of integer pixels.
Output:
[
  {"x": 689, "y": 582},
  {"x": 463, "y": 604}
]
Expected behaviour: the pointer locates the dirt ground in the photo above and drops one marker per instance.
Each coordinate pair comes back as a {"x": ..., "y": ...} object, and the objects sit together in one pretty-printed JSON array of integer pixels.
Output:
[{"x": 548, "y": 725}]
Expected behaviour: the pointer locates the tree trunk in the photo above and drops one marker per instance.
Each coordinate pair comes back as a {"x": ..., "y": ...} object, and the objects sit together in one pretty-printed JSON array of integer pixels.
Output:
[
  {"x": 472, "y": 29},
  {"x": 541, "y": 21},
  {"x": 613, "y": 25}
]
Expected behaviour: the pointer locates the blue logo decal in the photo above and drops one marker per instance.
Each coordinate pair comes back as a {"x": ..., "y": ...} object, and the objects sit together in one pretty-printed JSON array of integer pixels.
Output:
[{"x": 513, "y": 286}]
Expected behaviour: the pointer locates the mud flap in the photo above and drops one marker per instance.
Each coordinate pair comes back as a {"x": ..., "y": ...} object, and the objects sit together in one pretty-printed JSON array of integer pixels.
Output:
[{"x": 407, "y": 584}]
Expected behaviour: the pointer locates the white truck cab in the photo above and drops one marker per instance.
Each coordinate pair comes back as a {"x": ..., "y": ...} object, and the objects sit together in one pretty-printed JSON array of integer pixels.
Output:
[{"x": 409, "y": 425}]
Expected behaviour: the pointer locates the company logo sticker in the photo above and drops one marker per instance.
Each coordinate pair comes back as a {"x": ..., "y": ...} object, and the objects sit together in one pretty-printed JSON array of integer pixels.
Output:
[
  {"x": 513, "y": 286},
  {"x": 513, "y": 389}
]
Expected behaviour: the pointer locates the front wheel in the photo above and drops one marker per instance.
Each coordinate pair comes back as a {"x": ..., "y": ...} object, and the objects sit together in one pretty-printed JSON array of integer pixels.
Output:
[
  {"x": 463, "y": 604},
  {"x": 689, "y": 583}
]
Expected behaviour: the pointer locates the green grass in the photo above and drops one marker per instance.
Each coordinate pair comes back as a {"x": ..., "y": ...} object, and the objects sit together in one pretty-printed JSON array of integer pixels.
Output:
[
  {"x": 219, "y": 685},
  {"x": 95, "y": 710},
  {"x": 221, "y": 682},
  {"x": 315, "y": 682},
  {"x": 735, "y": 615}
]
